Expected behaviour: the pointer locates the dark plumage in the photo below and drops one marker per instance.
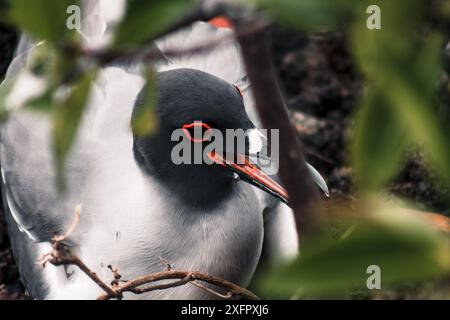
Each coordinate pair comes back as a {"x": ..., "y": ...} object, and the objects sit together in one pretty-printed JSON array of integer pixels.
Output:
[{"x": 185, "y": 96}]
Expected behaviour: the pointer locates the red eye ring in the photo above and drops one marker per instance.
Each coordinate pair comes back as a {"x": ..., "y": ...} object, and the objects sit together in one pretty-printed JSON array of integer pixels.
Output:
[{"x": 194, "y": 125}]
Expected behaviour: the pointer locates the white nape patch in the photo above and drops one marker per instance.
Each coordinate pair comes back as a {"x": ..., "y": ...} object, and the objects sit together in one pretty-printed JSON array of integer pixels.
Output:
[{"x": 256, "y": 141}]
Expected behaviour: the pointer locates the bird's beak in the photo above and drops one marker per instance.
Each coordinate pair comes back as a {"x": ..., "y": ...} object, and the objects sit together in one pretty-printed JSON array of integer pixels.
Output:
[
  {"x": 246, "y": 170},
  {"x": 318, "y": 179}
]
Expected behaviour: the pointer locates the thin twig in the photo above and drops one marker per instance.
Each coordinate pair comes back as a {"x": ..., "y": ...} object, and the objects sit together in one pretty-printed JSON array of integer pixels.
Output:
[
  {"x": 132, "y": 285},
  {"x": 76, "y": 220},
  {"x": 228, "y": 295},
  {"x": 91, "y": 274},
  {"x": 166, "y": 263},
  {"x": 173, "y": 284},
  {"x": 62, "y": 255},
  {"x": 117, "y": 276}
]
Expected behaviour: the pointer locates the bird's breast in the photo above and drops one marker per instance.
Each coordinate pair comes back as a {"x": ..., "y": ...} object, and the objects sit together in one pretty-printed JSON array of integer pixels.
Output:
[{"x": 145, "y": 224}]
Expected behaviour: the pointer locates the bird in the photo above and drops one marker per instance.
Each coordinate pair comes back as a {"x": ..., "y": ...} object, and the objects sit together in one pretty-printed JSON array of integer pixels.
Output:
[{"x": 137, "y": 205}]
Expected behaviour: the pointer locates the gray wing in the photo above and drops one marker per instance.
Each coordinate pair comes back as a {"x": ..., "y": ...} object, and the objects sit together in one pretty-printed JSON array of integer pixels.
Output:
[
  {"x": 28, "y": 177},
  {"x": 34, "y": 209},
  {"x": 27, "y": 171}
]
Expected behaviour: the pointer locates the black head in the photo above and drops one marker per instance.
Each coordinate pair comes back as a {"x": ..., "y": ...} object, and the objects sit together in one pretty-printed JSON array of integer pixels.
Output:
[{"x": 186, "y": 96}]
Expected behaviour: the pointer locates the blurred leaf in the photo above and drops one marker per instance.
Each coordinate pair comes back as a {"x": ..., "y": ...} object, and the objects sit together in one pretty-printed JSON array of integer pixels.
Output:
[
  {"x": 145, "y": 19},
  {"x": 42, "y": 103},
  {"x": 4, "y": 10},
  {"x": 45, "y": 19},
  {"x": 5, "y": 89},
  {"x": 47, "y": 61},
  {"x": 310, "y": 15},
  {"x": 381, "y": 139},
  {"x": 405, "y": 70},
  {"x": 145, "y": 119},
  {"x": 46, "y": 70},
  {"x": 66, "y": 120},
  {"x": 402, "y": 245},
  {"x": 444, "y": 10},
  {"x": 376, "y": 50}
]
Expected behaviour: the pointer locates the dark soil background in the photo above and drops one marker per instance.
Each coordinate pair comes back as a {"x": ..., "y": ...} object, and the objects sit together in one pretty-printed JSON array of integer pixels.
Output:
[
  {"x": 10, "y": 286},
  {"x": 322, "y": 87}
]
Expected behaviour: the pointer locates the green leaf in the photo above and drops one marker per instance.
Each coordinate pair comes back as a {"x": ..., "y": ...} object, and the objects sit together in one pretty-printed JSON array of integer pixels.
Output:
[
  {"x": 309, "y": 15},
  {"x": 5, "y": 89},
  {"x": 4, "y": 12},
  {"x": 405, "y": 69},
  {"x": 41, "y": 104},
  {"x": 67, "y": 116},
  {"x": 45, "y": 19},
  {"x": 380, "y": 142},
  {"x": 145, "y": 20},
  {"x": 145, "y": 119},
  {"x": 402, "y": 246}
]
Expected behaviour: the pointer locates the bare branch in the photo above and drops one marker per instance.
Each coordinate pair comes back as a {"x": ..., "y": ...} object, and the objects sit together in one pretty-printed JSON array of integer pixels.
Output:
[
  {"x": 62, "y": 255},
  {"x": 174, "y": 284},
  {"x": 228, "y": 295},
  {"x": 234, "y": 290},
  {"x": 74, "y": 260},
  {"x": 303, "y": 195},
  {"x": 76, "y": 220}
]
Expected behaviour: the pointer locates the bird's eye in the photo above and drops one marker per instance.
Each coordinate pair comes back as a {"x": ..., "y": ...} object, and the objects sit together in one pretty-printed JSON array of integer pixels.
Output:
[{"x": 197, "y": 131}]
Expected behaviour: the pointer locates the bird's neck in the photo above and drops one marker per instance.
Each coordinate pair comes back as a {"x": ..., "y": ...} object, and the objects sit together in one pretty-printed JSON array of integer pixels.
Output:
[{"x": 198, "y": 186}]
